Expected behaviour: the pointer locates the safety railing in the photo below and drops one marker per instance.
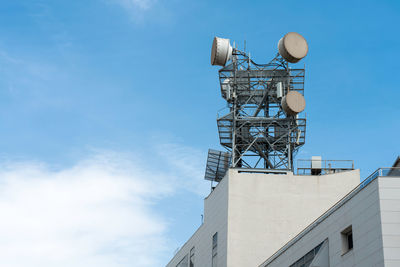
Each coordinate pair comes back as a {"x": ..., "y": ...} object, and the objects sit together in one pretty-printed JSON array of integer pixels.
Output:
[
  {"x": 320, "y": 167},
  {"x": 381, "y": 172}
]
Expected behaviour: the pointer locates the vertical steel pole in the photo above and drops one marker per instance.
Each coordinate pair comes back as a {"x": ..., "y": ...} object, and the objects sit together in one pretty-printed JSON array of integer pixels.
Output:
[{"x": 234, "y": 91}]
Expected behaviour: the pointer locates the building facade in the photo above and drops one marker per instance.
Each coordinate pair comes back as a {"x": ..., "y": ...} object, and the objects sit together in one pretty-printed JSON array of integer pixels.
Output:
[
  {"x": 363, "y": 229},
  {"x": 251, "y": 214}
]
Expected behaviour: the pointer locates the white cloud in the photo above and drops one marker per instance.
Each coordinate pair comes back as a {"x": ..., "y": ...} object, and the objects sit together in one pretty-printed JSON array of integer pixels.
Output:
[{"x": 96, "y": 213}]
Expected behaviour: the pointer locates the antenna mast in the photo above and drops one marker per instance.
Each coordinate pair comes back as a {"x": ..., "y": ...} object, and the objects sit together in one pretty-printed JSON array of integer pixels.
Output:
[{"x": 264, "y": 125}]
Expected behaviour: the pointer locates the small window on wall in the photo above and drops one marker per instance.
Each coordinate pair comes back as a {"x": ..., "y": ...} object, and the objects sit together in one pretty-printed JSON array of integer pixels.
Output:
[
  {"x": 191, "y": 259},
  {"x": 347, "y": 239},
  {"x": 214, "y": 250},
  {"x": 307, "y": 259}
]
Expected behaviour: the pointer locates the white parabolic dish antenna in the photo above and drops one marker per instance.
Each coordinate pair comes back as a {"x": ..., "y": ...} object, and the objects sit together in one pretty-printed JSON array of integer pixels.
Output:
[
  {"x": 293, "y": 102},
  {"x": 293, "y": 47},
  {"x": 221, "y": 51}
]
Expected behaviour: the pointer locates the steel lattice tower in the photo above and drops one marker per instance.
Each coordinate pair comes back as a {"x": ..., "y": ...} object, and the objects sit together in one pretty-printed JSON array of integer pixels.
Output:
[{"x": 256, "y": 129}]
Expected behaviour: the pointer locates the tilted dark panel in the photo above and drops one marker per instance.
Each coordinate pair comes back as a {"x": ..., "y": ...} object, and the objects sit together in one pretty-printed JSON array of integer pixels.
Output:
[{"x": 218, "y": 163}]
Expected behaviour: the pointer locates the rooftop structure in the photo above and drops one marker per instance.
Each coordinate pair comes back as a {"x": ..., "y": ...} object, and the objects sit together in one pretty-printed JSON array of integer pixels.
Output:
[
  {"x": 264, "y": 125},
  {"x": 261, "y": 212}
]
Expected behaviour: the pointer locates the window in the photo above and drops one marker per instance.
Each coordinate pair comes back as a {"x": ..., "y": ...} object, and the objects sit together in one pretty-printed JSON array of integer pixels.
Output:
[
  {"x": 191, "y": 259},
  {"x": 214, "y": 250},
  {"x": 347, "y": 239},
  {"x": 306, "y": 260},
  {"x": 183, "y": 262}
]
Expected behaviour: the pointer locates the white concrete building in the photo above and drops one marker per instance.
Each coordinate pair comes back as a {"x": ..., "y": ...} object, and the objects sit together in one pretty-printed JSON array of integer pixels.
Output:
[
  {"x": 363, "y": 229},
  {"x": 255, "y": 218},
  {"x": 251, "y": 214}
]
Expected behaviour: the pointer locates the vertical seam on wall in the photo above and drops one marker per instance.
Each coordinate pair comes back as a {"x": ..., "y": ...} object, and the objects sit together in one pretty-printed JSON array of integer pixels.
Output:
[{"x": 379, "y": 179}]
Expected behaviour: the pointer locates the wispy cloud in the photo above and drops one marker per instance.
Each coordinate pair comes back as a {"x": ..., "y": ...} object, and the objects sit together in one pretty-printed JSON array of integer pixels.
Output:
[
  {"x": 14, "y": 66},
  {"x": 187, "y": 164},
  {"x": 134, "y": 4},
  {"x": 95, "y": 213},
  {"x": 23, "y": 76},
  {"x": 141, "y": 11}
]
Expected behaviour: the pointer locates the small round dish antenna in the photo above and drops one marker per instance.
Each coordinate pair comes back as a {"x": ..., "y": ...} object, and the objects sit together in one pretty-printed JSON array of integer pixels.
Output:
[
  {"x": 293, "y": 102},
  {"x": 221, "y": 51},
  {"x": 293, "y": 47}
]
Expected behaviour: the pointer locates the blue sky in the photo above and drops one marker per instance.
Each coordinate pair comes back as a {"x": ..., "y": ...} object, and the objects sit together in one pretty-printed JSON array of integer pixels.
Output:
[{"x": 108, "y": 108}]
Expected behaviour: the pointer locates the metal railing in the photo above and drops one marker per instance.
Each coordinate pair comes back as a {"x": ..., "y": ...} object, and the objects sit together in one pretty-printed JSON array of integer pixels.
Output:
[
  {"x": 381, "y": 172},
  {"x": 305, "y": 166}
]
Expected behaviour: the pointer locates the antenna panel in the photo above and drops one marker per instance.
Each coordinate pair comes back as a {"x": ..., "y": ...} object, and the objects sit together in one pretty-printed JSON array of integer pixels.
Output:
[{"x": 217, "y": 165}]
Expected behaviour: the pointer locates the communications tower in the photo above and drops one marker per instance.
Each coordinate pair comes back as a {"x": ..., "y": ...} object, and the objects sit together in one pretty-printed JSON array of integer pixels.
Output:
[{"x": 264, "y": 124}]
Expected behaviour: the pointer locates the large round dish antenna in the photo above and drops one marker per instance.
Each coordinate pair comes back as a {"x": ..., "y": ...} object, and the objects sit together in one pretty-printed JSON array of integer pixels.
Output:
[
  {"x": 221, "y": 51},
  {"x": 293, "y": 103},
  {"x": 293, "y": 47}
]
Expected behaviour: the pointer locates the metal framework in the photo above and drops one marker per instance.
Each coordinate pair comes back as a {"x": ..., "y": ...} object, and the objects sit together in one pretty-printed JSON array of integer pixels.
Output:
[
  {"x": 217, "y": 165},
  {"x": 255, "y": 129}
]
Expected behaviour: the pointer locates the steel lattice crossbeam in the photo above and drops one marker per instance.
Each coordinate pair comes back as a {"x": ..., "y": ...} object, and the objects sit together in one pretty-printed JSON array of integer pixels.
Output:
[{"x": 255, "y": 129}]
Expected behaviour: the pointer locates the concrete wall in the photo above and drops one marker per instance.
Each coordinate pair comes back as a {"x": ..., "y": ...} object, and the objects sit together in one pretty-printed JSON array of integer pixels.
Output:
[
  {"x": 363, "y": 213},
  {"x": 255, "y": 214},
  {"x": 267, "y": 210},
  {"x": 215, "y": 220},
  {"x": 389, "y": 193}
]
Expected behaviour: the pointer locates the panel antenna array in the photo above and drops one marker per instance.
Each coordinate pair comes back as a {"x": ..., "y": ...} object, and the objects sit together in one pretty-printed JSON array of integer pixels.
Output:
[{"x": 264, "y": 125}]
